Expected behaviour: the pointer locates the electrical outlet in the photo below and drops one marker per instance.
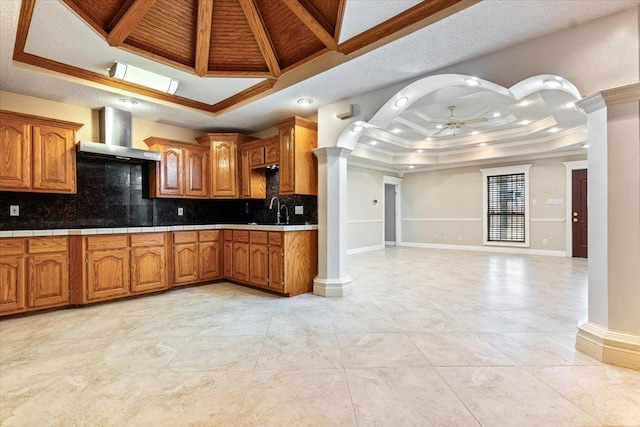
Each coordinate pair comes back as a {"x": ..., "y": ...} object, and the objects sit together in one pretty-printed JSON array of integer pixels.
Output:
[
  {"x": 180, "y": 211},
  {"x": 299, "y": 210},
  {"x": 544, "y": 241},
  {"x": 459, "y": 237},
  {"x": 14, "y": 210}
]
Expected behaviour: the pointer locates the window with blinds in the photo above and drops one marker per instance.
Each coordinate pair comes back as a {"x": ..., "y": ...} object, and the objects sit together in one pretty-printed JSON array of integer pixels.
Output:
[{"x": 506, "y": 208}]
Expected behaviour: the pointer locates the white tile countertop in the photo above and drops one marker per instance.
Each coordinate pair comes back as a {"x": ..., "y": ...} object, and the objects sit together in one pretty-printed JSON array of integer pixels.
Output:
[{"x": 120, "y": 230}]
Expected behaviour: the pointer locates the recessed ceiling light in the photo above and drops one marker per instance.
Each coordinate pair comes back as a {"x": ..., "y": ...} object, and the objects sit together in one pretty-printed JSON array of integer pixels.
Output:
[
  {"x": 396, "y": 130},
  {"x": 128, "y": 101},
  {"x": 305, "y": 101},
  {"x": 428, "y": 138},
  {"x": 482, "y": 144},
  {"x": 558, "y": 78},
  {"x": 569, "y": 105},
  {"x": 554, "y": 130},
  {"x": 525, "y": 122},
  {"x": 524, "y": 103},
  {"x": 439, "y": 127},
  {"x": 472, "y": 81},
  {"x": 496, "y": 115},
  {"x": 411, "y": 166},
  {"x": 585, "y": 145},
  {"x": 401, "y": 101},
  {"x": 475, "y": 132},
  {"x": 420, "y": 150},
  {"x": 374, "y": 143},
  {"x": 357, "y": 128},
  {"x": 553, "y": 84}
]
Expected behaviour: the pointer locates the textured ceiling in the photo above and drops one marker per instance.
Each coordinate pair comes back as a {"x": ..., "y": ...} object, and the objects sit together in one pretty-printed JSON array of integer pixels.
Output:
[{"x": 477, "y": 30}]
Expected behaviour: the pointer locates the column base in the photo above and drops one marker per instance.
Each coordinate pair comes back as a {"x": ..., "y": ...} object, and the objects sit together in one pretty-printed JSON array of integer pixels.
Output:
[
  {"x": 332, "y": 287},
  {"x": 613, "y": 347}
]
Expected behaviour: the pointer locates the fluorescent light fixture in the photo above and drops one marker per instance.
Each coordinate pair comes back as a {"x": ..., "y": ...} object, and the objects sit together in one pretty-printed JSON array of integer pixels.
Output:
[
  {"x": 472, "y": 81},
  {"x": 552, "y": 84},
  {"x": 496, "y": 115},
  {"x": 357, "y": 128},
  {"x": 141, "y": 77},
  {"x": 305, "y": 101},
  {"x": 401, "y": 101}
]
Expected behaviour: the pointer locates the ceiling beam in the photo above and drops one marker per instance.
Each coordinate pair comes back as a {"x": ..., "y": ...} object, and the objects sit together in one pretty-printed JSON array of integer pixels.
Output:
[
  {"x": 262, "y": 38},
  {"x": 203, "y": 36},
  {"x": 125, "y": 21},
  {"x": 340, "y": 18},
  {"x": 312, "y": 23}
]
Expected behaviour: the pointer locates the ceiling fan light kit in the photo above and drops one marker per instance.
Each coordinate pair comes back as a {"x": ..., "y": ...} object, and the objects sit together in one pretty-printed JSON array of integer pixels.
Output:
[{"x": 135, "y": 75}]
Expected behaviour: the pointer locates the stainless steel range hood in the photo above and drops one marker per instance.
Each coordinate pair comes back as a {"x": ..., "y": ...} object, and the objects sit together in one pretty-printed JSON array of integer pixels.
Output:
[{"x": 115, "y": 139}]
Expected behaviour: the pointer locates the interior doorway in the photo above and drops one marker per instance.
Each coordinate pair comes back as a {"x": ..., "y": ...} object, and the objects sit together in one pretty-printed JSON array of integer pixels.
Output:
[
  {"x": 391, "y": 211},
  {"x": 579, "y": 216}
]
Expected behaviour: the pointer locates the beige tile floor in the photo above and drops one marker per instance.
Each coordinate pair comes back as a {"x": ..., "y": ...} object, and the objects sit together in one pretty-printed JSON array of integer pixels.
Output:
[{"x": 428, "y": 338}]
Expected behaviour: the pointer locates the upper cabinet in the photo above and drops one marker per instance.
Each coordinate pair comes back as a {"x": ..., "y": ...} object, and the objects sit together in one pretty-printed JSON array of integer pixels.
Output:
[
  {"x": 37, "y": 154},
  {"x": 298, "y": 166},
  {"x": 224, "y": 170},
  {"x": 183, "y": 171}
]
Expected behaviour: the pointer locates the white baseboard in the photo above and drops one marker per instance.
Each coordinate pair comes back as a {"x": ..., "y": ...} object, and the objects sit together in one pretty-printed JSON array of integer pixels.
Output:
[
  {"x": 332, "y": 287},
  {"x": 613, "y": 347},
  {"x": 391, "y": 243},
  {"x": 498, "y": 249},
  {"x": 364, "y": 249}
]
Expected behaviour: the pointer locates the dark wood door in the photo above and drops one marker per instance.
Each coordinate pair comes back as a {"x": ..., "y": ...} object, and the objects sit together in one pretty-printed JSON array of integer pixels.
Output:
[{"x": 579, "y": 213}]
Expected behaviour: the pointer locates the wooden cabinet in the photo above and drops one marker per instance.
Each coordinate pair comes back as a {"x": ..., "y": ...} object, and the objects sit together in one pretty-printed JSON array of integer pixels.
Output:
[
  {"x": 38, "y": 154},
  {"x": 265, "y": 152},
  {"x": 34, "y": 273},
  {"x": 148, "y": 262},
  {"x": 183, "y": 170},
  {"x": 223, "y": 157},
  {"x": 276, "y": 262},
  {"x": 258, "y": 258},
  {"x": 196, "y": 256},
  {"x": 107, "y": 273},
  {"x": 241, "y": 255},
  {"x": 227, "y": 256},
  {"x": 298, "y": 166},
  {"x": 253, "y": 182}
]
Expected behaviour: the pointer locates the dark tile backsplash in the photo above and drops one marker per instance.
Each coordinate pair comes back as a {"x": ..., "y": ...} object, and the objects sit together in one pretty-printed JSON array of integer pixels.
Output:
[{"x": 112, "y": 194}]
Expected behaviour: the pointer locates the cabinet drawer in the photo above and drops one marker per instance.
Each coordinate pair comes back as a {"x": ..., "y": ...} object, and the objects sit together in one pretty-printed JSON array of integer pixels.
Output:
[
  {"x": 12, "y": 246},
  {"x": 117, "y": 241},
  {"x": 240, "y": 236},
  {"x": 147, "y": 239},
  {"x": 275, "y": 238},
  {"x": 209, "y": 235},
  {"x": 48, "y": 245},
  {"x": 256, "y": 156},
  {"x": 258, "y": 237},
  {"x": 272, "y": 152},
  {"x": 185, "y": 237}
]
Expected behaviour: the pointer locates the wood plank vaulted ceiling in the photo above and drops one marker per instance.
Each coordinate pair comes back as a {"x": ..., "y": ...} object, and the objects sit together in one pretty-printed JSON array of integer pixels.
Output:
[{"x": 223, "y": 38}]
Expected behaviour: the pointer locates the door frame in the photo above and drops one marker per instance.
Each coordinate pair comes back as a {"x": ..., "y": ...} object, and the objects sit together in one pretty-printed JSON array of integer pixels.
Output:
[
  {"x": 569, "y": 168},
  {"x": 396, "y": 182}
]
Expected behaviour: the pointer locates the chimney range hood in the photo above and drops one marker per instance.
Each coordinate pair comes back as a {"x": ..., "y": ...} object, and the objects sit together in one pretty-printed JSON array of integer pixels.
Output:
[{"x": 115, "y": 140}]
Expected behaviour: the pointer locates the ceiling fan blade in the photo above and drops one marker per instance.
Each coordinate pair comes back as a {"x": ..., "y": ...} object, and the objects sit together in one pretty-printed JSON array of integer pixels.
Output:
[
  {"x": 440, "y": 131},
  {"x": 476, "y": 120}
]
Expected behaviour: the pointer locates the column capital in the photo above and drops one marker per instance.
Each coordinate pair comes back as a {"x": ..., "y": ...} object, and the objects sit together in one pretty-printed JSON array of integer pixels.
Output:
[
  {"x": 608, "y": 97},
  {"x": 324, "y": 152}
]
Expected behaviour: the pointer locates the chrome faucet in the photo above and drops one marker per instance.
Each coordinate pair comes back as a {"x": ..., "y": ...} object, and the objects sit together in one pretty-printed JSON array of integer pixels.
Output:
[
  {"x": 286, "y": 209},
  {"x": 277, "y": 209}
]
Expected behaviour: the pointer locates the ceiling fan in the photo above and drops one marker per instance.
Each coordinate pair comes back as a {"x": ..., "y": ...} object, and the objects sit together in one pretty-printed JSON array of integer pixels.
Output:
[{"x": 452, "y": 122}]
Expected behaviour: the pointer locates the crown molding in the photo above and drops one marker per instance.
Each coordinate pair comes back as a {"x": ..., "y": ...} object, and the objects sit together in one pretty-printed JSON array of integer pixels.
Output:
[{"x": 608, "y": 97}]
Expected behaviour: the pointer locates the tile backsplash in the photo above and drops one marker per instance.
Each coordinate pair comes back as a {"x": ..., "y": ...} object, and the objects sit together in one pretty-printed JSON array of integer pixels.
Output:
[{"x": 112, "y": 194}]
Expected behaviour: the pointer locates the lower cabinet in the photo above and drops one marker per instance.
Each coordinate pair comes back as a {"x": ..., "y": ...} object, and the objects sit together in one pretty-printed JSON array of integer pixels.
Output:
[
  {"x": 34, "y": 273},
  {"x": 196, "y": 256},
  {"x": 240, "y": 256},
  {"x": 148, "y": 262},
  {"x": 227, "y": 255},
  {"x": 258, "y": 259}
]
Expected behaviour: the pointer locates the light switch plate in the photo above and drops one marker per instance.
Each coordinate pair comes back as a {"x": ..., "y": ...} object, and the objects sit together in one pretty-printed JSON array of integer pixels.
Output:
[
  {"x": 180, "y": 211},
  {"x": 299, "y": 210},
  {"x": 14, "y": 210}
]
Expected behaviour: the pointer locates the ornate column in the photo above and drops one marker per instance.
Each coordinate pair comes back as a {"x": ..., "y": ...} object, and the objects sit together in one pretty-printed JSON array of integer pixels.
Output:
[
  {"x": 332, "y": 279},
  {"x": 612, "y": 330}
]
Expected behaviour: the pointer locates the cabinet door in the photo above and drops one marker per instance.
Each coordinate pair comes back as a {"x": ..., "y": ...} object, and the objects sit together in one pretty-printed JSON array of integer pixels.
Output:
[
  {"x": 256, "y": 156},
  {"x": 272, "y": 153},
  {"x": 196, "y": 167},
  {"x": 241, "y": 261},
  {"x": 224, "y": 169},
  {"x": 148, "y": 269},
  {"x": 108, "y": 274},
  {"x": 245, "y": 174},
  {"x": 210, "y": 260},
  {"x": 287, "y": 161},
  {"x": 12, "y": 284},
  {"x": 228, "y": 259},
  {"x": 171, "y": 172},
  {"x": 185, "y": 263},
  {"x": 276, "y": 268},
  {"x": 258, "y": 264},
  {"x": 48, "y": 280},
  {"x": 54, "y": 161},
  {"x": 15, "y": 149}
]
